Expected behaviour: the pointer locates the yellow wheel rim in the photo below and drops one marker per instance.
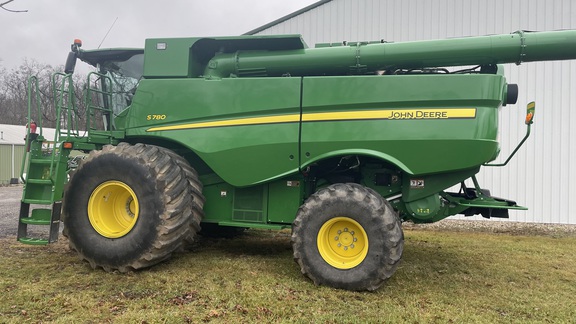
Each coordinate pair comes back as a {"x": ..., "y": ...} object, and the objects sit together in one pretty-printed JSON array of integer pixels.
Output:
[
  {"x": 342, "y": 242},
  {"x": 113, "y": 209}
]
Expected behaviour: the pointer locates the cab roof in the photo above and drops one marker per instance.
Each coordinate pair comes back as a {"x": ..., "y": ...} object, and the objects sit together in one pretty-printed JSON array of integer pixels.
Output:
[{"x": 95, "y": 57}]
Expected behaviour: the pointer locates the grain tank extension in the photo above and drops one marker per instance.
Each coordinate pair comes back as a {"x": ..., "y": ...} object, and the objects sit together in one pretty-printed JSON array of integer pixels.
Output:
[{"x": 341, "y": 143}]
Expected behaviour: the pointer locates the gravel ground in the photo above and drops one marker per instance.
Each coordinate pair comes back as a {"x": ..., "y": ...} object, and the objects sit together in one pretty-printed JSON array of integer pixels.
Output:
[
  {"x": 10, "y": 208},
  {"x": 10, "y": 205},
  {"x": 497, "y": 227}
]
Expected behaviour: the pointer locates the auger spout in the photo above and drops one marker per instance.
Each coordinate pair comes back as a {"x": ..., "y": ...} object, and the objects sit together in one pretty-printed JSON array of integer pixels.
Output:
[{"x": 367, "y": 58}]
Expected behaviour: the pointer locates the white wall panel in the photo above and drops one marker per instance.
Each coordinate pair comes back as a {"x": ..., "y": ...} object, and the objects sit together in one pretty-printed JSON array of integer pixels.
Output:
[{"x": 543, "y": 174}]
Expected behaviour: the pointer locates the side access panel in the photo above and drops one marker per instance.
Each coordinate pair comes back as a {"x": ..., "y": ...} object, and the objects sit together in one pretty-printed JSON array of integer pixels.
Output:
[{"x": 268, "y": 205}]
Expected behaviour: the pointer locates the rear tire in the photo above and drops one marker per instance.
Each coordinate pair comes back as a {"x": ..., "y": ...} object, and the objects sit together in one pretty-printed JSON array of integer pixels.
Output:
[
  {"x": 127, "y": 207},
  {"x": 347, "y": 236}
]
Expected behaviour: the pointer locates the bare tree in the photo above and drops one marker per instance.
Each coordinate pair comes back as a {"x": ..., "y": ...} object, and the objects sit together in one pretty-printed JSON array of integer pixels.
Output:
[
  {"x": 14, "y": 90},
  {"x": 11, "y": 10}
]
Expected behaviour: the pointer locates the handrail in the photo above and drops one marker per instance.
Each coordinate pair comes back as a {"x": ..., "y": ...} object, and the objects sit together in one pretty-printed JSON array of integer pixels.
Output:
[
  {"x": 64, "y": 99},
  {"x": 33, "y": 92},
  {"x": 106, "y": 98}
]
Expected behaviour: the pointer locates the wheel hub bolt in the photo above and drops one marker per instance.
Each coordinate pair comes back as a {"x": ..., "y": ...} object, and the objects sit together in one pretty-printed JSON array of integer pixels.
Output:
[{"x": 347, "y": 241}]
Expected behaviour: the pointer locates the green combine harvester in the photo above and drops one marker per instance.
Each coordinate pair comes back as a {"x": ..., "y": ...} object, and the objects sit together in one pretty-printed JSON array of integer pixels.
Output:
[{"x": 341, "y": 143}]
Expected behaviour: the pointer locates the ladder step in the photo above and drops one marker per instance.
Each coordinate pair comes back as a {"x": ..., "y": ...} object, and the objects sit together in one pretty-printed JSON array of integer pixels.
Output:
[
  {"x": 33, "y": 241},
  {"x": 41, "y": 161},
  {"x": 37, "y": 201},
  {"x": 32, "y": 221},
  {"x": 39, "y": 181},
  {"x": 39, "y": 216}
]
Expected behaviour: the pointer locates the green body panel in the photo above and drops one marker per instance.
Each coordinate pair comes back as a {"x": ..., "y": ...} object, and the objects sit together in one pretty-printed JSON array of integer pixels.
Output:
[
  {"x": 235, "y": 153},
  {"x": 219, "y": 198},
  {"x": 202, "y": 122},
  {"x": 176, "y": 53},
  {"x": 284, "y": 198},
  {"x": 187, "y": 57},
  {"x": 420, "y": 186},
  {"x": 273, "y": 203},
  {"x": 444, "y": 144}
]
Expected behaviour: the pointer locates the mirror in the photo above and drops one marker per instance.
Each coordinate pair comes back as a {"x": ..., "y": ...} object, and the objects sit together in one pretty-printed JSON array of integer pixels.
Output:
[{"x": 70, "y": 63}]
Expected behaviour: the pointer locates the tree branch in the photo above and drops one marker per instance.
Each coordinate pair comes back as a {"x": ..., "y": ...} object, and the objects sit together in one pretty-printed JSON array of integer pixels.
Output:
[{"x": 7, "y": 2}]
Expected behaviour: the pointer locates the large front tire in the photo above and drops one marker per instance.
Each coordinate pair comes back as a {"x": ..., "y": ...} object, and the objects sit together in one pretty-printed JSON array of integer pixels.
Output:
[
  {"x": 198, "y": 199},
  {"x": 346, "y": 236},
  {"x": 127, "y": 207}
]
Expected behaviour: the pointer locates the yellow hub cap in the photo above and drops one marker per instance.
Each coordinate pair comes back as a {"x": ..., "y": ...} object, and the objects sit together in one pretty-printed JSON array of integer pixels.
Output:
[
  {"x": 113, "y": 209},
  {"x": 342, "y": 243}
]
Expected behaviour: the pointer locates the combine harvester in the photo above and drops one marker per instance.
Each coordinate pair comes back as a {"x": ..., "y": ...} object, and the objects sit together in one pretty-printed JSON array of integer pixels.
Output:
[{"x": 341, "y": 142}]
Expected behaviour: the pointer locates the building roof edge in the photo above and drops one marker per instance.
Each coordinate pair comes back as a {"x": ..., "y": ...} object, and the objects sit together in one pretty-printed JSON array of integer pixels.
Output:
[{"x": 287, "y": 17}]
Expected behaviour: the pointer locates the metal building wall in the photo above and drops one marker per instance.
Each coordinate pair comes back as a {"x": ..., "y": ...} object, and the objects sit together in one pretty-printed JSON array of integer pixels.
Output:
[
  {"x": 10, "y": 162},
  {"x": 543, "y": 174},
  {"x": 5, "y": 164}
]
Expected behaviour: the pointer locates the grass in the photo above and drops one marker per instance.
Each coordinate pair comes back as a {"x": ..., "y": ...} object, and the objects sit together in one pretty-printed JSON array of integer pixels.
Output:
[{"x": 444, "y": 277}]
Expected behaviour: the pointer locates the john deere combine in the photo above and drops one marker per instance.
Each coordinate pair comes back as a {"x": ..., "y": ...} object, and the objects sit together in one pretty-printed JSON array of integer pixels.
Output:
[{"x": 341, "y": 142}]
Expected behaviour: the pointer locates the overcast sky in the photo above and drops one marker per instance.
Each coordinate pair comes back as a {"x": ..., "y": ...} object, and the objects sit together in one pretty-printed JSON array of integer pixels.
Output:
[{"x": 45, "y": 32}]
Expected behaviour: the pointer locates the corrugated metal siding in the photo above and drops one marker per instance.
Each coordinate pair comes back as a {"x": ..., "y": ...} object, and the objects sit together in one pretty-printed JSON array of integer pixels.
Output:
[
  {"x": 542, "y": 175},
  {"x": 12, "y": 138},
  {"x": 19, "y": 151},
  {"x": 5, "y": 163},
  {"x": 10, "y": 162}
]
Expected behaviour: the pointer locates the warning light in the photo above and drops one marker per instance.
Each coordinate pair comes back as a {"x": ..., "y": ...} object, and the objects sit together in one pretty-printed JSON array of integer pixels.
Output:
[
  {"x": 78, "y": 42},
  {"x": 530, "y": 109},
  {"x": 67, "y": 145}
]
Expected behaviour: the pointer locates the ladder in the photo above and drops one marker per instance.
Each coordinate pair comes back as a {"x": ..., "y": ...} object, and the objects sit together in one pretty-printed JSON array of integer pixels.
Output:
[{"x": 45, "y": 164}]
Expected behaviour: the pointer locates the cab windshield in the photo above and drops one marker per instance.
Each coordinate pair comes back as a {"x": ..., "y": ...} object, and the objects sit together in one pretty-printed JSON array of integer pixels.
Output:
[{"x": 124, "y": 77}]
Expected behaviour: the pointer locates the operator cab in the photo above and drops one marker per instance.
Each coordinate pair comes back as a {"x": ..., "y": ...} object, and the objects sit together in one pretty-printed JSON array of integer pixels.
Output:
[{"x": 122, "y": 70}]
